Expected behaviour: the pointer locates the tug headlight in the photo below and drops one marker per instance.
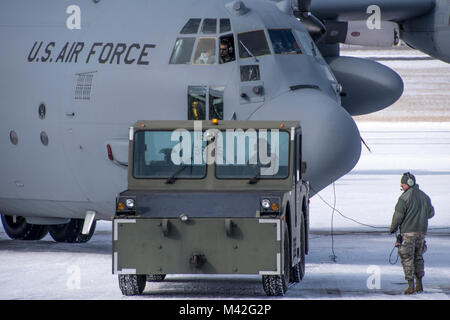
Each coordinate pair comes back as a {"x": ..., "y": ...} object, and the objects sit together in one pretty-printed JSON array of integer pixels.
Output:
[
  {"x": 126, "y": 205},
  {"x": 270, "y": 205},
  {"x": 265, "y": 203},
  {"x": 129, "y": 203}
]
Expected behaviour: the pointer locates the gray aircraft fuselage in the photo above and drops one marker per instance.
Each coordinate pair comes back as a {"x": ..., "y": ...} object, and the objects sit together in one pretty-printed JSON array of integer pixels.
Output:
[{"x": 98, "y": 71}]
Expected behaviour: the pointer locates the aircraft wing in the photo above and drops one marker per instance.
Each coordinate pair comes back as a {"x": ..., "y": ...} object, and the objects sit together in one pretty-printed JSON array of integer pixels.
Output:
[
  {"x": 367, "y": 85},
  {"x": 422, "y": 24}
]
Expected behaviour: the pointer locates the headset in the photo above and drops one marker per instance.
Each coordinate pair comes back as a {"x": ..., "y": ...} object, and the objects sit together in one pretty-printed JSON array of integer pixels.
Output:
[
  {"x": 410, "y": 182},
  {"x": 227, "y": 42}
]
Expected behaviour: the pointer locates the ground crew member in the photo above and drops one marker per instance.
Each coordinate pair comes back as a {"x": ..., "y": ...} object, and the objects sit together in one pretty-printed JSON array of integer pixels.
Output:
[{"x": 412, "y": 212}]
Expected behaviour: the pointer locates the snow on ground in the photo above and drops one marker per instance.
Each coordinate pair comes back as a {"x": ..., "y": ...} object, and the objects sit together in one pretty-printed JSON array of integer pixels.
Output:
[
  {"x": 46, "y": 270},
  {"x": 370, "y": 191}
]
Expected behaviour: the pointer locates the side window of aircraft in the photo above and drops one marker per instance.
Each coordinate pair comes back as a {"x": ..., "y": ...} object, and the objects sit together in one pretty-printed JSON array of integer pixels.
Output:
[
  {"x": 306, "y": 42},
  {"x": 209, "y": 26},
  {"x": 226, "y": 49},
  {"x": 250, "y": 73},
  {"x": 311, "y": 49},
  {"x": 196, "y": 103},
  {"x": 216, "y": 103},
  {"x": 225, "y": 25},
  {"x": 191, "y": 27},
  {"x": 252, "y": 44},
  {"x": 182, "y": 51},
  {"x": 206, "y": 51},
  {"x": 283, "y": 41}
]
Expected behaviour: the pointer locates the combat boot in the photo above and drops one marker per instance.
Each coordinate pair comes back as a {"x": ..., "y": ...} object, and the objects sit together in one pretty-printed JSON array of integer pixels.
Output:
[
  {"x": 410, "y": 289},
  {"x": 419, "y": 286}
]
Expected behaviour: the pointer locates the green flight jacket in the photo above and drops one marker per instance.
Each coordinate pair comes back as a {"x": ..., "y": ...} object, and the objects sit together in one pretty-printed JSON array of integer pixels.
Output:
[{"x": 412, "y": 211}]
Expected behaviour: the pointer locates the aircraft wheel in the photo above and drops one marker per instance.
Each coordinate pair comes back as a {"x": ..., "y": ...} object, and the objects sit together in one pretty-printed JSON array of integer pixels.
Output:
[
  {"x": 155, "y": 277},
  {"x": 277, "y": 285},
  {"x": 132, "y": 284},
  {"x": 71, "y": 232},
  {"x": 19, "y": 229}
]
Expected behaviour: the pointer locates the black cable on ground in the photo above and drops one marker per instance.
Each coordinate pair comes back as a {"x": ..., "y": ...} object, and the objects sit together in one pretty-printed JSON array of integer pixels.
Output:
[{"x": 333, "y": 256}]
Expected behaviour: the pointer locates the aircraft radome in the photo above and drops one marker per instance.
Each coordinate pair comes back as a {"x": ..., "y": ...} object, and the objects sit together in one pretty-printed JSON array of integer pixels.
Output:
[{"x": 76, "y": 74}]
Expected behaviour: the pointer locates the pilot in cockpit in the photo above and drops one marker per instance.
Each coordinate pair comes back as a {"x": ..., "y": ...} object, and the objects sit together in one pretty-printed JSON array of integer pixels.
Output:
[
  {"x": 206, "y": 57},
  {"x": 226, "y": 51}
]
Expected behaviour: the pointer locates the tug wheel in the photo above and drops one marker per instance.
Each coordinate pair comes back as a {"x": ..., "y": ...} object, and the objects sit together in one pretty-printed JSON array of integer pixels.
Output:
[
  {"x": 132, "y": 284},
  {"x": 277, "y": 285}
]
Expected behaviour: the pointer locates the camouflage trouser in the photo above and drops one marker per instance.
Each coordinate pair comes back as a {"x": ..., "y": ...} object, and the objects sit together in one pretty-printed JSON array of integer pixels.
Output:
[{"x": 410, "y": 252}]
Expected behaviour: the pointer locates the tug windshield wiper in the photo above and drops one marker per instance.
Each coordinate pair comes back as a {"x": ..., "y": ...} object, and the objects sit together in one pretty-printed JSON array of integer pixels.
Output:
[{"x": 173, "y": 178}]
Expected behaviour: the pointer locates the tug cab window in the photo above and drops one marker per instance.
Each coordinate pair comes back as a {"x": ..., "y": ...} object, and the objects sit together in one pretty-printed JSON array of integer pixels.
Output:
[
  {"x": 252, "y": 44},
  {"x": 245, "y": 152},
  {"x": 153, "y": 158},
  {"x": 283, "y": 41},
  {"x": 206, "y": 51}
]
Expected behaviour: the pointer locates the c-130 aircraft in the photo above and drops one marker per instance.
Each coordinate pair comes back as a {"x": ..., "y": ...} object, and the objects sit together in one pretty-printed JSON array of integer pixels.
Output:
[{"x": 76, "y": 74}]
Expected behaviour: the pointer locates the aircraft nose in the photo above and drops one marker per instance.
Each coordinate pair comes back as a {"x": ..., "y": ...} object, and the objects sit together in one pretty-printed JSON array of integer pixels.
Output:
[{"x": 331, "y": 142}]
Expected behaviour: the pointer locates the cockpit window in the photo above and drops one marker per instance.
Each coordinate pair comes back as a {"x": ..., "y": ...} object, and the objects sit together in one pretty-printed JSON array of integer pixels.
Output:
[
  {"x": 216, "y": 103},
  {"x": 226, "y": 49},
  {"x": 307, "y": 44},
  {"x": 209, "y": 26},
  {"x": 311, "y": 49},
  {"x": 283, "y": 41},
  {"x": 252, "y": 44},
  {"x": 206, "y": 51},
  {"x": 250, "y": 73},
  {"x": 191, "y": 27},
  {"x": 225, "y": 25},
  {"x": 196, "y": 103},
  {"x": 182, "y": 51}
]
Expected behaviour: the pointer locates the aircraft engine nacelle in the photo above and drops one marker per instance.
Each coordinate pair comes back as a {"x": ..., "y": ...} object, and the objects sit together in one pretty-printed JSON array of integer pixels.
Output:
[
  {"x": 384, "y": 35},
  {"x": 430, "y": 33},
  {"x": 367, "y": 86},
  {"x": 362, "y": 33}
]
